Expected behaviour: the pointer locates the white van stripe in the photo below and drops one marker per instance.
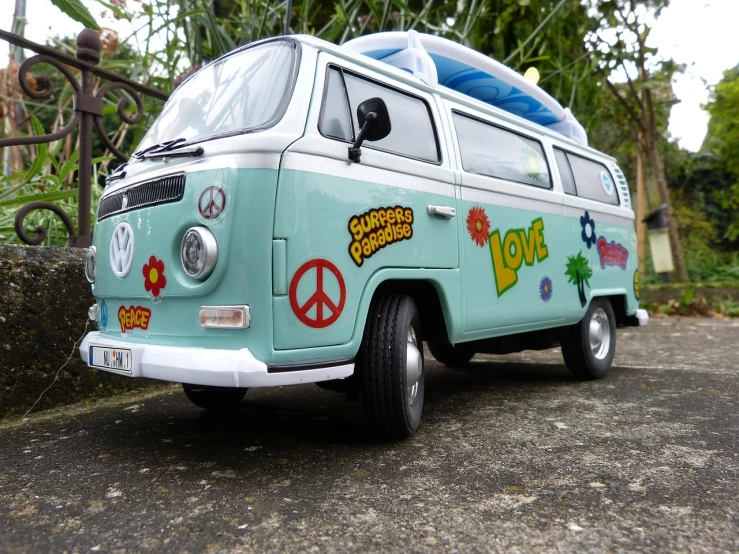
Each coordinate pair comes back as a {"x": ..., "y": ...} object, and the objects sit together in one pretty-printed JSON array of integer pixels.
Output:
[
  {"x": 341, "y": 168},
  {"x": 508, "y": 201}
]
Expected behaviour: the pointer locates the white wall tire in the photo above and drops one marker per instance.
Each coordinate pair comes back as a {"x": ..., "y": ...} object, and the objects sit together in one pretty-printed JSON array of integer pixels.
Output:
[{"x": 589, "y": 346}]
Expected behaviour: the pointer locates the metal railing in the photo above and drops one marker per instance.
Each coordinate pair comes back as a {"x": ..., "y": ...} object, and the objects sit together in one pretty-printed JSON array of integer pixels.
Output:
[{"x": 88, "y": 112}]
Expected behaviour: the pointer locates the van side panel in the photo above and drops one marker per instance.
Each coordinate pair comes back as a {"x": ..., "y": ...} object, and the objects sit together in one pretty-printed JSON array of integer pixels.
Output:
[
  {"x": 344, "y": 223},
  {"x": 319, "y": 215}
]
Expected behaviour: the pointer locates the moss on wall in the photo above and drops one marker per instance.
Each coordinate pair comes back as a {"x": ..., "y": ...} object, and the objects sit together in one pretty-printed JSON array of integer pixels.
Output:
[{"x": 44, "y": 299}]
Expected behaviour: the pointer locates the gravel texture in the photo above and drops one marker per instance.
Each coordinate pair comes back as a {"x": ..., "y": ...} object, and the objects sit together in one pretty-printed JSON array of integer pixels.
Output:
[{"x": 513, "y": 455}]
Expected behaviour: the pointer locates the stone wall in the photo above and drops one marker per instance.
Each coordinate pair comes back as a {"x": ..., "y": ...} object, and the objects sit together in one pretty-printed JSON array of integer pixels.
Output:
[
  {"x": 712, "y": 292},
  {"x": 44, "y": 299}
]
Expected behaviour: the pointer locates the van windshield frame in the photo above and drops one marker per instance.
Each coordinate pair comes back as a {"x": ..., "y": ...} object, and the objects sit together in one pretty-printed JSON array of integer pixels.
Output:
[{"x": 185, "y": 91}]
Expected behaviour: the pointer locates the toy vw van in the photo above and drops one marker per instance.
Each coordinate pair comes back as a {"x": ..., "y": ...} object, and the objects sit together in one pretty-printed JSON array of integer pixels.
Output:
[{"x": 302, "y": 212}]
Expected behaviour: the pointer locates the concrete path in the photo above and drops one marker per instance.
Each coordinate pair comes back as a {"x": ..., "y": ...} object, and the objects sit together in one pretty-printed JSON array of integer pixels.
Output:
[{"x": 513, "y": 455}]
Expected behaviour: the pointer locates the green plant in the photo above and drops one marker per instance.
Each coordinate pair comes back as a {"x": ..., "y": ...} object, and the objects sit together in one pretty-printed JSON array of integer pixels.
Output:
[{"x": 47, "y": 179}]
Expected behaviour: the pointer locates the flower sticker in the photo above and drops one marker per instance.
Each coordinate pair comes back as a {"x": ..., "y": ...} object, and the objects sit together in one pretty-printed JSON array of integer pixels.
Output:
[
  {"x": 478, "y": 225},
  {"x": 154, "y": 279},
  {"x": 545, "y": 289},
  {"x": 588, "y": 229}
]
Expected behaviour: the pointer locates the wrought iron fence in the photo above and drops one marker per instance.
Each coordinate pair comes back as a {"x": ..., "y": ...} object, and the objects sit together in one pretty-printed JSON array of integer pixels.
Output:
[{"x": 88, "y": 112}]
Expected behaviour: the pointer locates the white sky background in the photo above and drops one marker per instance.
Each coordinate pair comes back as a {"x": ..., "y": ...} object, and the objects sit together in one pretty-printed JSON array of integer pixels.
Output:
[{"x": 698, "y": 33}]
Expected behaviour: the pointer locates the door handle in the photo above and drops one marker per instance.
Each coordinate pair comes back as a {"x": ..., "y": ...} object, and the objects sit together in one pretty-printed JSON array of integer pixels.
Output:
[{"x": 446, "y": 212}]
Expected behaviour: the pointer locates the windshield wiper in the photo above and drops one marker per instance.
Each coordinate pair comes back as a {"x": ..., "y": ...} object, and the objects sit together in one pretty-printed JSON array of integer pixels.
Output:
[
  {"x": 158, "y": 147},
  {"x": 172, "y": 153},
  {"x": 117, "y": 174}
]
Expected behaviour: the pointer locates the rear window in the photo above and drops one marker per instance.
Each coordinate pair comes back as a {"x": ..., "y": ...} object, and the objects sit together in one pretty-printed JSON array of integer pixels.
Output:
[
  {"x": 565, "y": 172},
  {"x": 496, "y": 152},
  {"x": 593, "y": 180}
]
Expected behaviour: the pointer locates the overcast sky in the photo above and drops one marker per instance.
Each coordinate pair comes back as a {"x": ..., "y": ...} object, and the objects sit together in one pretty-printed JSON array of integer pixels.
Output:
[{"x": 699, "y": 33}]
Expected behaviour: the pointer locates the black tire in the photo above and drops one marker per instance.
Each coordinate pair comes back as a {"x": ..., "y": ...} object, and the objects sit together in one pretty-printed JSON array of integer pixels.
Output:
[
  {"x": 586, "y": 358},
  {"x": 451, "y": 355},
  {"x": 393, "y": 409},
  {"x": 215, "y": 399}
]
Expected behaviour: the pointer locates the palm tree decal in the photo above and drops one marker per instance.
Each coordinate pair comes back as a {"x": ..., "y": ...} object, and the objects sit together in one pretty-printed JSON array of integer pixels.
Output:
[{"x": 578, "y": 272}]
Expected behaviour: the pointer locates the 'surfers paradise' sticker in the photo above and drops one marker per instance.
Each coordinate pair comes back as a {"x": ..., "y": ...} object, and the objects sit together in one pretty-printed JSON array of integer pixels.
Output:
[
  {"x": 133, "y": 318},
  {"x": 516, "y": 247},
  {"x": 377, "y": 228}
]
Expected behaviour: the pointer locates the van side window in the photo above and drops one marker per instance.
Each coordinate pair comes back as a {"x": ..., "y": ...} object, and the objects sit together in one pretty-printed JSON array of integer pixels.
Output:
[
  {"x": 413, "y": 134},
  {"x": 565, "y": 172},
  {"x": 336, "y": 120},
  {"x": 593, "y": 180},
  {"x": 490, "y": 150}
]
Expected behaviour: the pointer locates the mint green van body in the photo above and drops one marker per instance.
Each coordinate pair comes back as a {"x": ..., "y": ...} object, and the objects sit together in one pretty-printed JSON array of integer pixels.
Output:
[{"x": 308, "y": 243}]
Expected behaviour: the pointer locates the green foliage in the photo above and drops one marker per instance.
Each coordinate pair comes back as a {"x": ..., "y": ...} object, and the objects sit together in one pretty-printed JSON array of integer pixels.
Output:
[
  {"x": 722, "y": 140},
  {"x": 727, "y": 307},
  {"x": 77, "y": 11},
  {"x": 43, "y": 180}
]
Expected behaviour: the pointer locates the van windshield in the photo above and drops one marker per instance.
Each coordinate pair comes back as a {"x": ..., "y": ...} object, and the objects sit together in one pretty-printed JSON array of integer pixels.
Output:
[{"x": 242, "y": 92}]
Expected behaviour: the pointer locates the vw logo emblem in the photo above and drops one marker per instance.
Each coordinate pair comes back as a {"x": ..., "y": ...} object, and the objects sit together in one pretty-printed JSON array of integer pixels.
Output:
[
  {"x": 124, "y": 201},
  {"x": 121, "y": 250}
]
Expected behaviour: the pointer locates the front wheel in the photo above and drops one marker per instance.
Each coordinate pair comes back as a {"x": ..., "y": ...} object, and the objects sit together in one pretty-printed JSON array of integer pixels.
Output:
[
  {"x": 214, "y": 399},
  {"x": 390, "y": 366},
  {"x": 588, "y": 347}
]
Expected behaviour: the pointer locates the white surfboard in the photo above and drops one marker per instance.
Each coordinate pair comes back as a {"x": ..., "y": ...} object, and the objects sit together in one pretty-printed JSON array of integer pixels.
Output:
[{"x": 438, "y": 61}]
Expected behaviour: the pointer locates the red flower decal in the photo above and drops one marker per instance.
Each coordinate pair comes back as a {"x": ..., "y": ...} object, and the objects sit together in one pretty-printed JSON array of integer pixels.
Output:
[
  {"x": 478, "y": 225},
  {"x": 154, "y": 279}
]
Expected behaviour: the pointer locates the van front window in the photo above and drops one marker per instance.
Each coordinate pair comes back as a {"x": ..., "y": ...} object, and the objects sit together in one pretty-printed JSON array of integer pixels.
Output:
[{"x": 245, "y": 91}]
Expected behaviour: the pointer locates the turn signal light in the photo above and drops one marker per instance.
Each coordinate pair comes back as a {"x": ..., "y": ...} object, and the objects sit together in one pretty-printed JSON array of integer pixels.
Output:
[{"x": 225, "y": 317}]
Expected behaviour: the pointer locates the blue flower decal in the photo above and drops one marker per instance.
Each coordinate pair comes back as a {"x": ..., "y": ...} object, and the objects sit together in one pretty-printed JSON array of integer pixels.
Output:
[
  {"x": 588, "y": 229},
  {"x": 545, "y": 289}
]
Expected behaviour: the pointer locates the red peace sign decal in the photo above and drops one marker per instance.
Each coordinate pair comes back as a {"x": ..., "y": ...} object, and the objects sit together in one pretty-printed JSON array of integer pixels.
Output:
[
  {"x": 319, "y": 298},
  {"x": 211, "y": 203}
]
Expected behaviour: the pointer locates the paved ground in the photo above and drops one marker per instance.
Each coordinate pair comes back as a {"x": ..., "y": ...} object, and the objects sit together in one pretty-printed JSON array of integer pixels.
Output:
[{"x": 513, "y": 455}]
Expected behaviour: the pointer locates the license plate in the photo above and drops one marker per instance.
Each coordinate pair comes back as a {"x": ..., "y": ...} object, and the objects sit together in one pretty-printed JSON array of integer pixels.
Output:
[{"x": 118, "y": 359}]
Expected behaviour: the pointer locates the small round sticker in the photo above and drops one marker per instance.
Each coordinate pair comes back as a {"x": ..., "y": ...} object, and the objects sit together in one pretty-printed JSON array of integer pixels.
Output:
[
  {"x": 319, "y": 298},
  {"x": 212, "y": 202},
  {"x": 637, "y": 286},
  {"x": 104, "y": 314},
  {"x": 605, "y": 180}
]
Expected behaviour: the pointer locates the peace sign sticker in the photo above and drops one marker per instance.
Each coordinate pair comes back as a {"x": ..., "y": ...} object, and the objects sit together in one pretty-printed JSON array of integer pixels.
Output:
[
  {"x": 319, "y": 310},
  {"x": 212, "y": 202}
]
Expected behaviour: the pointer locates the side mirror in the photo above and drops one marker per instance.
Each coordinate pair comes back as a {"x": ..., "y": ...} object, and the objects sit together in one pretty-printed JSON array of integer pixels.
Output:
[{"x": 374, "y": 124}]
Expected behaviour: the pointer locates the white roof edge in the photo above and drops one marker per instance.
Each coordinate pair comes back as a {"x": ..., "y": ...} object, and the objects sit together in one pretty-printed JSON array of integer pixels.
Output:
[{"x": 408, "y": 79}]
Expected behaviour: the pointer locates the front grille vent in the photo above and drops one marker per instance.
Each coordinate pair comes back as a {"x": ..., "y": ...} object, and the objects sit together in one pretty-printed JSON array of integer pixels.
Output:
[{"x": 149, "y": 193}]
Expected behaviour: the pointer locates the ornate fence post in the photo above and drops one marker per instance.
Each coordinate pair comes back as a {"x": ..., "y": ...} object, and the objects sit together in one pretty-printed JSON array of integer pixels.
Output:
[
  {"x": 88, "y": 50},
  {"x": 88, "y": 112}
]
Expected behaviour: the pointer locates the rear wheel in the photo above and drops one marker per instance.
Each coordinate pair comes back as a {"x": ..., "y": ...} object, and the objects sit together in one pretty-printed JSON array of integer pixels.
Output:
[
  {"x": 452, "y": 355},
  {"x": 215, "y": 399},
  {"x": 390, "y": 366},
  {"x": 588, "y": 347}
]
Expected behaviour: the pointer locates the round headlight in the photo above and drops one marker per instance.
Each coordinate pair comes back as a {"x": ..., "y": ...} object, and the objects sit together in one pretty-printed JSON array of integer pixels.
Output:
[
  {"x": 199, "y": 252},
  {"x": 90, "y": 264}
]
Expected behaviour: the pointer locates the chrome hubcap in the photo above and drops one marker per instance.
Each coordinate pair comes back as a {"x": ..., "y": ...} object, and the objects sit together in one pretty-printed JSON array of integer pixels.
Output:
[
  {"x": 600, "y": 334},
  {"x": 413, "y": 365}
]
